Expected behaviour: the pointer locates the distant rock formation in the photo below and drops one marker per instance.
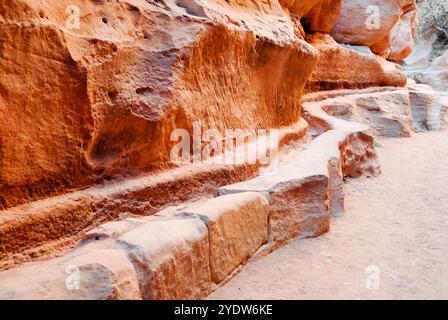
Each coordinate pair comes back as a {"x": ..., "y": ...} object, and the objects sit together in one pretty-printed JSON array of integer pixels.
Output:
[
  {"x": 429, "y": 60},
  {"x": 436, "y": 75},
  {"x": 386, "y": 26}
]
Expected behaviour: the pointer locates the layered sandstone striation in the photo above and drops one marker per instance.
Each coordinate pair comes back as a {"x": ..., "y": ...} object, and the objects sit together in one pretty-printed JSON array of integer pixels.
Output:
[
  {"x": 82, "y": 105},
  {"x": 385, "y": 26},
  {"x": 184, "y": 252},
  {"x": 350, "y": 67},
  {"x": 110, "y": 91},
  {"x": 46, "y": 227},
  {"x": 436, "y": 74},
  {"x": 87, "y": 114},
  {"x": 99, "y": 100},
  {"x": 429, "y": 108},
  {"x": 387, "y": 113}
]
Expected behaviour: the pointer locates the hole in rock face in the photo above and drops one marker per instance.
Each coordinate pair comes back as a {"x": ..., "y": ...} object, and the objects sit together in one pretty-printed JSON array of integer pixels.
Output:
[
  {"x": 306, "y": 25},
  {"x": 112, "y": 94},
  {"x": 3, "y": 203},
  {"x": 105, "y": 20},
  {"x": 144, "y": 90}
]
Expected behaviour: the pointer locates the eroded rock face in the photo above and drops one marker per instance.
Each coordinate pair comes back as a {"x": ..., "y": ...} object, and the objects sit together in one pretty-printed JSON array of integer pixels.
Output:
[
  {"x": 81, "y": 105},
  {"x": 437, "y": 74},
  {"x": 100, "y": 100},
  {"x": 237, "y": 226},
  {"x": 180, "y": 253},
  {"x": 385, "y": 26},
  {"x": 429, "y": 108},
  {"x": 306, "y": 192},
  {"x": 314, "y": 15},
  {"x": 350, "y": 67},
  {"x": 165, "y": 254},
  {"x": 46, "y": 118},
  {"x": 401, "y": 37},
  {"x": 387, "y": 113},
  {"x": 342, "y": 67},
  {"x": 82, "y": 275},
  {"x": 183, "y": 252}
]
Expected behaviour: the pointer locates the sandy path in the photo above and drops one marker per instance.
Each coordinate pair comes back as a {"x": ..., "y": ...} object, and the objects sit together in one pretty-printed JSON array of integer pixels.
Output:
[{"x": 394, "y": 235}]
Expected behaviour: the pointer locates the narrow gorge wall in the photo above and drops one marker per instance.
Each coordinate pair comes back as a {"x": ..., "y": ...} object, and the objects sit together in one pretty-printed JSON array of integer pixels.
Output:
[
  {"x": 99, "y": 102},
  {"x": 428, "y": 63},
  {"x": 84, "y": 103},
  {"x": 91, "y": 93}
]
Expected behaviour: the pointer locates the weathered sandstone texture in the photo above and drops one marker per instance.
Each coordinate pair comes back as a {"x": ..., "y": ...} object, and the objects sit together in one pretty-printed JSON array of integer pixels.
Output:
[
  {"x": 342, "y": 66},
  {"x": 237, "y": 225},
  {"x": 387, "y": 113},
  {"x": 314, "y": 15},
  {"x": 301, "y": 192},
  {"x": 184, "y": 252},
  {"x": 88, "y": 193},
  {"x": 385, "y": 26},
  {"x": 161, "y": 259},
  {"x": 167, "y": 253},
  {"x": 49, "y": 226},
  {"x": 82, "y": 105},
  {"x": 436, "y": 75},
  {"x": 91, "y": 275},
  {"x": 429, "y": 108},
  {"x": 99, "y": 101}
]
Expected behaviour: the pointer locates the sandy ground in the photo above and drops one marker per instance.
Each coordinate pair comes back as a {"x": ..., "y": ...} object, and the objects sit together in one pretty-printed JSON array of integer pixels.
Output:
[{"x": 391, "y": 244}]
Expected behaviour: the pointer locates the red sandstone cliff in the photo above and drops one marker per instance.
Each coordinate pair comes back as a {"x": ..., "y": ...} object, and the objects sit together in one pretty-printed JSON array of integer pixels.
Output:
[{"x": 82, "y": 105}]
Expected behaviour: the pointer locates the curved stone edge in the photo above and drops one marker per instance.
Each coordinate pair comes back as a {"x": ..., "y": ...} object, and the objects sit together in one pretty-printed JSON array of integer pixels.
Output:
[
  {"x": 185, "y": 252},
  {"x": 389, "y": 112},
  {"x": 304, "y": 193},
  {"x": 48, "y": 227},
  {"x": 429, "y": 108}
]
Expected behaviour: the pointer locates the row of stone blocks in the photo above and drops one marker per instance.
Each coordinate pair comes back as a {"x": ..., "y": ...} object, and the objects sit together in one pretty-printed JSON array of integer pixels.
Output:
[
  {"x": 185, "y": 252},
  {"x": 389, "y": 112}
]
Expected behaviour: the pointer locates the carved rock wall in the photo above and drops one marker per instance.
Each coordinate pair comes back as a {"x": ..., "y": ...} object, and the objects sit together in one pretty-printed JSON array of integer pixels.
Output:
[
  {"x": 82, "y": 105},
  {"x": 386, "y": 26}
]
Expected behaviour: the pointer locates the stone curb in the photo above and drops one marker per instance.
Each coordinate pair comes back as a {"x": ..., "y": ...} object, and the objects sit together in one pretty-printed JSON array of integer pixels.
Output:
[{"x": 184, "y": 252}]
